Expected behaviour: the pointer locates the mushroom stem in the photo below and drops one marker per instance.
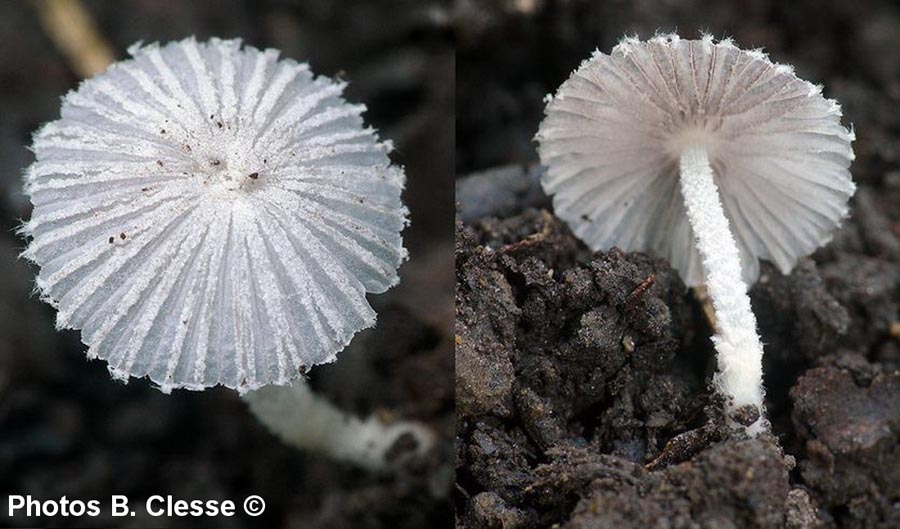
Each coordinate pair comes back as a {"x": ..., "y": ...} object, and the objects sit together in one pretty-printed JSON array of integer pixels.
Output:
[
  {"x": 737, "y": 342},
  {"x": 308, "y": 422}
]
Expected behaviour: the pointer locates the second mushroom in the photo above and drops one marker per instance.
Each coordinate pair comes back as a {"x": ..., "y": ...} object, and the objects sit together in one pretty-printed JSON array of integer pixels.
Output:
[{"x": 710, "y": 156}]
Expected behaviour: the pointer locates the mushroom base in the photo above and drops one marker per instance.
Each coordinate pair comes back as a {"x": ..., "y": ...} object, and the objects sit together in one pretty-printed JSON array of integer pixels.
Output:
[{"x": 308, "y": 422}]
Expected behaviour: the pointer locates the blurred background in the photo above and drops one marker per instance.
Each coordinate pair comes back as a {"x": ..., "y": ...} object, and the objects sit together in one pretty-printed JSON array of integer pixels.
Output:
[
  {"x": 512, "y": 53},
  {"x": 67, "y": 429}
]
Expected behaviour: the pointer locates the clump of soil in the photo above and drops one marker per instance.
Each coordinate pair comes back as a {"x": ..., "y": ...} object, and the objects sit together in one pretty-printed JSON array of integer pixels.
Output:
[
  {"x": 574, "y": 371},
  {"x": 583, "y": 397},
  {"x": 846, "y": 414},
  {"x": 570, "y": 335}
]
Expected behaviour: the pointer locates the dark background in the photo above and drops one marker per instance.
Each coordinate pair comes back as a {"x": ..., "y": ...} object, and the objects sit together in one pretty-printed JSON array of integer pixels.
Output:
[
  {"x": 511, "y": 54},
  {"x": 67, "y": 429}
]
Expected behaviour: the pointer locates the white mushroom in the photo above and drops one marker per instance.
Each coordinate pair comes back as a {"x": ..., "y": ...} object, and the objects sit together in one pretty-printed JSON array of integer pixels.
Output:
[
  {"x": 759, "y": 156},
  {"x": 209, "y": 214}
]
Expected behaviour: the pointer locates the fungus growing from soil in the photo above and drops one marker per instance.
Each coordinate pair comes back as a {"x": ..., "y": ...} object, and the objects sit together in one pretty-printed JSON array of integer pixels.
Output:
[
  {"x": 710, "y": 156},
  {"x": 208, "y": 214}
]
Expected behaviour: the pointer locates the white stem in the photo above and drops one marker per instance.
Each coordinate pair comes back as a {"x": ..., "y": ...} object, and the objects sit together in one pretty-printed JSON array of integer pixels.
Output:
[
  {"x": 308, "y": 422},
  {"x": 736, "y": 341}
]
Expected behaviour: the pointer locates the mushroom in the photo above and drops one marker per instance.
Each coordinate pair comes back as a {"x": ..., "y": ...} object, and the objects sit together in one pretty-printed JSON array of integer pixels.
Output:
[
  {"x": 208, "y": 215},
  {"x": 710, "y": 156}
]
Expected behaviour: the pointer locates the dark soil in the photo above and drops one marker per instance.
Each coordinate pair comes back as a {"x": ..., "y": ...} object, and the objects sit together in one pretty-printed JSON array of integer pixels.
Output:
[
  {"x": 582, "y": 378},
  {"x": 67, "y": 429}
]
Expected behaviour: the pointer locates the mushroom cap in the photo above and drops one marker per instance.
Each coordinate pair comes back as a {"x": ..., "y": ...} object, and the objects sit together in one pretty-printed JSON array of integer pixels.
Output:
[
  {"x": 615, "y": 130},
  {"x": 209, "y": 214}
]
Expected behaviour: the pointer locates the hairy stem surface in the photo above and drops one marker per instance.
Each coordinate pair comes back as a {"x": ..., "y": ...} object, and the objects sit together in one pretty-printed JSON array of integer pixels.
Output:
[{"x": 737, "y": 342}]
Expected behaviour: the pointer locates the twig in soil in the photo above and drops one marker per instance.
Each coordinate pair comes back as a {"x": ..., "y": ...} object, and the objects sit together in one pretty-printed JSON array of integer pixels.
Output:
[
  {"x": 683, "y": 446},
  {"x": 532, "y": 239},
  {"x": 71, "y": 27},
  {"x": 705, "y": 305},
  {"x": 895, "y": 329},
  {"x": 632, "y": 299}
]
